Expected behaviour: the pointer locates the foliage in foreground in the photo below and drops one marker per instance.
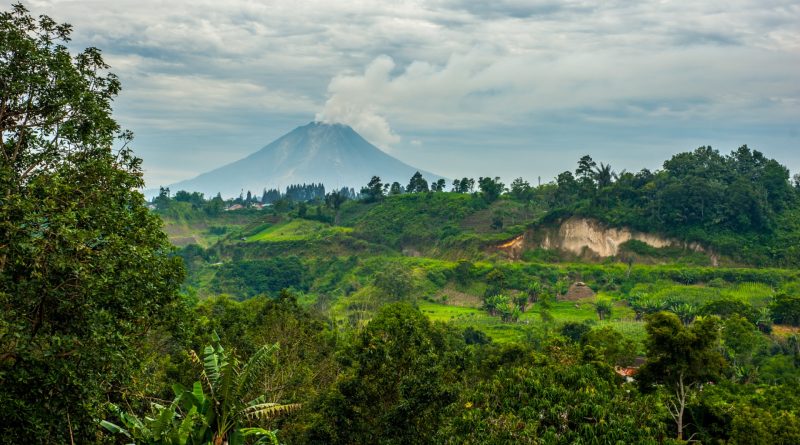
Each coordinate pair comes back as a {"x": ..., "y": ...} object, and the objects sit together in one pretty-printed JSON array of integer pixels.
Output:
[
  {"x": 556, "y": 399},
  {"x": 86, "y": 274},
  {"x": 214, "y": 410},
  {"x": 400, "y": 375}
]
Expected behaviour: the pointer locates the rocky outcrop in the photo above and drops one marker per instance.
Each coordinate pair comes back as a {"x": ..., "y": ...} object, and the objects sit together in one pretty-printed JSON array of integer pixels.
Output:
[
  {"x": 587, "y": 237},
  {"x": 514, "y": 247}
]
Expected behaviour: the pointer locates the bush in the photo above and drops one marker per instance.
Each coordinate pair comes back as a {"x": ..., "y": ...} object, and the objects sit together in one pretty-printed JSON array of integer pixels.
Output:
[
  {"x": 786, "y": 310},
  {"x": 575, "y": 331},
  {"x": 728, "y": 307},
  {"x": 247, "y": 278}
]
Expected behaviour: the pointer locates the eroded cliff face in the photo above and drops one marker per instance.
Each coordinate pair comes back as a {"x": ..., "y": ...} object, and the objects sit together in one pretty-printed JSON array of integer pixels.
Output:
[
  {"x": 576, "y": 234},
  {"x": 582, "y": 236}
]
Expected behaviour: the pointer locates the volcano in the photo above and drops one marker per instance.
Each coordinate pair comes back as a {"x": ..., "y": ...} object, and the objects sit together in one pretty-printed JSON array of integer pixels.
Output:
[{"x": 332, "y": 154}]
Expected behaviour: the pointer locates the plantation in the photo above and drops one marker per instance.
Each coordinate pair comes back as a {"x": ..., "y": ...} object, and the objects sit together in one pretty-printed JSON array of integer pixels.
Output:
[{"x": 441, "y": 252}]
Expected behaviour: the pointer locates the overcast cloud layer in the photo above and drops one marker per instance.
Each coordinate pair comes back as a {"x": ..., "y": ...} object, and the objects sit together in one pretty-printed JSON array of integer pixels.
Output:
[{"x": 509, "y": 87}]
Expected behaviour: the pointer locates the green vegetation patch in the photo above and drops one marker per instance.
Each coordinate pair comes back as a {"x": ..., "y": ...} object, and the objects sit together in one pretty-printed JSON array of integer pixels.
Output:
[
  {"x": 757, "y": 294},
  {"x": 562, "y": 312},
  {"x": 296, "y": 230}
]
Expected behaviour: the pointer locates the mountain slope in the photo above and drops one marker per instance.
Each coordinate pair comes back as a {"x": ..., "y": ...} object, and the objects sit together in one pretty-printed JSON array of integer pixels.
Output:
[{"x": 333, "y": 154}]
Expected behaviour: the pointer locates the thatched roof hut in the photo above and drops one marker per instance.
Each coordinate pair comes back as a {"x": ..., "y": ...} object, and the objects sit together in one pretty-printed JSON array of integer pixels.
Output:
[{"x": 577, "y": 291}]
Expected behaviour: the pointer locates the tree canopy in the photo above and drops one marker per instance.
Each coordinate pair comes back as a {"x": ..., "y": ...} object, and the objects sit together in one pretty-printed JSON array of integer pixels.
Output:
[{"x": 86, "y": 273}]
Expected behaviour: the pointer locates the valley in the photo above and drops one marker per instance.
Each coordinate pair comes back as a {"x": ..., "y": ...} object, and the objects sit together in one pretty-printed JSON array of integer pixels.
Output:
[
  {"x": 449, "y": 278},
  {"x": 322, "y": 290}
]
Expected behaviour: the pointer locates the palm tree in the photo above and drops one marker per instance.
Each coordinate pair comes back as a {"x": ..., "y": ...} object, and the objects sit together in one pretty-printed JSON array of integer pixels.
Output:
[{"x": 603, "y": 175}]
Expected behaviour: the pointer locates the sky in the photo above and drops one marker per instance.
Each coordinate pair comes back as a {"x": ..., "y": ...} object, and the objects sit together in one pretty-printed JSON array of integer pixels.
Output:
[{"x": 506, "y": 88}]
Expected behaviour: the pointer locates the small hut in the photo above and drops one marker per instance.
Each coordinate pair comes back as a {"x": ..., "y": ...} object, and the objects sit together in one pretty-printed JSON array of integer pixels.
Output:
[{"x": 578, "y": 291}]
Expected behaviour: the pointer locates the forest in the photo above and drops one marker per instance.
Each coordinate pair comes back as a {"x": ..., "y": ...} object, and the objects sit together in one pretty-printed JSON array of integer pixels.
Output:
[{"x": 394, "y": 314}]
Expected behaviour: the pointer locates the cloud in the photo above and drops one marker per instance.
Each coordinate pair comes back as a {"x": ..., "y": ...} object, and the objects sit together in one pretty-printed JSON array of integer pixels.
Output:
[
  {"x": 351, "y": 102},
  {"x": 199, "y": 74},
  {"x": 489, "y": 87}
]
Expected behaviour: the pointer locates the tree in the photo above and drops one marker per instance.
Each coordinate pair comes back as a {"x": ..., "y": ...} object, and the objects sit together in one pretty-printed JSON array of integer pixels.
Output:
[
  {"x": 567, "y": 190},
  {"x": 680, "y": 357},
  {"x": 603, "y": 175},
  {"x": 162, "y": 200},
  {"x": 685, "y": 311},
  {"x": 463, "y": 185},
  {"x": 764, "y": 320},
  {"x": 491, "y": 189},
  {"x": 534, "y": 290},
  {"x": 497, "y": 221},
  {"x": 502, "y": 305},
  {"x": 741, "y": 340},
  {"x": 396, "y": 188},
  {"x": 522, "y": 301},
  {"x": 86, "y": 274},
  {"x": 544, "y": 308},
  {"x": 520, "y": 189},
  {"x": 494, "y": 303},
  {"x": 611, "y": 346},
  {"x": 509, "y": 312},
  {"x": 215, "y": 206},
  {"x": 439, "y": 185},
  {"x": 270, "y": 196},
  {"x": 394, "y": 281},
  {"x": 401, "y": 375},
  {"x": 551, "y": 400},
  {"x": 786, "y": 310},
  {"x": 495, "y": 281},
  {"x": 562, "y": 286},
  {"x": 194, "y": 198},
  {"x": 463, "y": 271},
  {"x": 373, "y": 191},
  {"x": 728, "y": 307},
  {"x": 417, "y": 184},
  {"x": 574, "y": 330},
  {"x": 473, "y": 336},
  {"x": 335, "y": 200},
  {"x": 603, "y": 308},
  {"x": 585, "y": 170}
]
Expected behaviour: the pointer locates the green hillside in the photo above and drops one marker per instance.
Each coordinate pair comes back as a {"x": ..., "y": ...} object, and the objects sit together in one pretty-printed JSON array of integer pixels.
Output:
[{"x": 604, "y": 307}]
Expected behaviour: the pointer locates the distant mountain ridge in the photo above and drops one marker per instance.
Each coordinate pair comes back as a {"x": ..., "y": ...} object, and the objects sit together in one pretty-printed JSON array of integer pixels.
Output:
[{"x": 332, "y": 154}]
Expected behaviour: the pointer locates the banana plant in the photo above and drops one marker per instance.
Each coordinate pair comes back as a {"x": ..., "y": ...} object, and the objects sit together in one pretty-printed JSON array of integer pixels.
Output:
[{"x": 215, "y": 410}]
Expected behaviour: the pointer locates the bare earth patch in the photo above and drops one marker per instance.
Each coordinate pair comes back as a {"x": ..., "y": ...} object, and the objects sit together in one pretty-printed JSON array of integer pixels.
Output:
[
  {"x": 782, "y": 330},
  {"x": 456, "y": 298}
]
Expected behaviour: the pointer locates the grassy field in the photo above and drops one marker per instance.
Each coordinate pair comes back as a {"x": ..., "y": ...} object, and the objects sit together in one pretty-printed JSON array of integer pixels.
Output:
[
  {"x": 757, "y": 294},
  {"x": 622, "y": 317},
  {"x": 562, "y": 312},
  {"x": 447, "y": 292},
  {"x": 207, "y": 231},
  {"x": 183, "y": 233},
  {"x": 296, "y": 230}
]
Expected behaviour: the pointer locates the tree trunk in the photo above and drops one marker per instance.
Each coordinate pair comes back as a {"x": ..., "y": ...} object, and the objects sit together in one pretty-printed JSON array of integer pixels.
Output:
[{"x": 677, "y": 408}]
